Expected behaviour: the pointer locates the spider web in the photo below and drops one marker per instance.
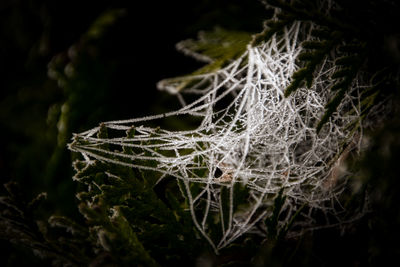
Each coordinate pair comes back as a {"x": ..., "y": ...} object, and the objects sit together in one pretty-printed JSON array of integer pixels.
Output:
[{"x": 261, "y": 144}]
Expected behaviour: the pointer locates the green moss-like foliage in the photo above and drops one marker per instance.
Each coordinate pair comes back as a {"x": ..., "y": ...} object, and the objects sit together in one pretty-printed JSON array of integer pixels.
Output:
[
  {"x": 217, "y": 48},
  {"x": 131, "y": 220},
  {"x": 346, "y": 32}
]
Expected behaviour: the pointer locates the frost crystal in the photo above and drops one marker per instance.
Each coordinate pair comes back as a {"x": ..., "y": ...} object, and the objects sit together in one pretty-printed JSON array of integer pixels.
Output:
[{"x": 252, "y": 143}]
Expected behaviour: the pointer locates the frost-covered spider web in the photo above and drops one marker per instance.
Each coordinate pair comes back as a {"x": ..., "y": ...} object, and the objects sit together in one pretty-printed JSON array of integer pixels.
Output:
[{"x": 252, "y": 143}]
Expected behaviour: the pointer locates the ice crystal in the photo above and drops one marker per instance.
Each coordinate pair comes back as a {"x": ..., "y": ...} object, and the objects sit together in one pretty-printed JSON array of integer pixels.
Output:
[{"x": 251, "y": 141}]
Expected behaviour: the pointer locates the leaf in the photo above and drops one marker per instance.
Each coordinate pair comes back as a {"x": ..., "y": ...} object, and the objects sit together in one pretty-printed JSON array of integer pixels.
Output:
[
  {"x": 217, "y": 48},
  {"x": 272, "y": 221},
  {"x": 127, "y": 241},
  {"x": 103, "y": 22},
  {"x": 331, "y": 107},
  {"x": 286, "y": 228},
  {"x": 224, "y": 199},
  {"x": 341, "y": 73},
  {"x": 352, "y": 48},
  {"x": 219, "y": 44},
  {"x": 305, "y": 56},
  {"x": 321, "y": 32},
  {"x": 37, "y": 201},
  {"x": 347, "y": 60},
  {"x": 314, "y": 45},
  {"x": 68, "y": 224},
  {"x": 297, "y": 81}
]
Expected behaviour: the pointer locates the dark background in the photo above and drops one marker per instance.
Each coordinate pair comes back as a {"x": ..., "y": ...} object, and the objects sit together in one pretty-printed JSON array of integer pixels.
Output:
[
  {"x": 119, "y": 71},
  {"x": 115, "y": 77}
]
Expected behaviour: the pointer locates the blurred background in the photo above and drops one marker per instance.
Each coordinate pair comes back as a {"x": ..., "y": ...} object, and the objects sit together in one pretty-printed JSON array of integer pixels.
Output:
[{"x": 66, "y": 66}]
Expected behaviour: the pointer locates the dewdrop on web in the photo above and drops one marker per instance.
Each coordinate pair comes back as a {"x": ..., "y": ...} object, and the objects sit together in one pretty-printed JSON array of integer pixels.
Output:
[{"x": 258, "y": 140}]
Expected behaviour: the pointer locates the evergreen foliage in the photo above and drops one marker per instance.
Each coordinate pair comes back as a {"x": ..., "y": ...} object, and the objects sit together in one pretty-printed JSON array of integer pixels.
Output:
[
  {"x": 130, "y": 218},
  {"x": 217, "y": 48},
  {"x": 346, "y": 32},
  {"x": 58, "y": 240}
]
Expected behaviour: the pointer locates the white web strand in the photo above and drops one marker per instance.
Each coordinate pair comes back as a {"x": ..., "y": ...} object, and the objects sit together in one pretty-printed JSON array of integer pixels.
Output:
[{"x": 253, "y": 134}]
